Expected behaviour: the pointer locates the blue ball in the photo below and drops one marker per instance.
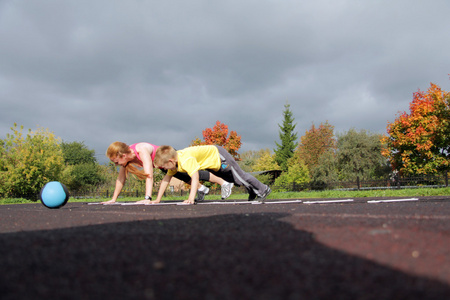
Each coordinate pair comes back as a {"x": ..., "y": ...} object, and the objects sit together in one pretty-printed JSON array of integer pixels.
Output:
[{"x": 54, "y": 194}]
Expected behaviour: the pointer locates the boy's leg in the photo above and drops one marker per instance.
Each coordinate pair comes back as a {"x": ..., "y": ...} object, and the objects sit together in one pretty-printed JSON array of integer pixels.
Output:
[{"x": 231, "y": 169}]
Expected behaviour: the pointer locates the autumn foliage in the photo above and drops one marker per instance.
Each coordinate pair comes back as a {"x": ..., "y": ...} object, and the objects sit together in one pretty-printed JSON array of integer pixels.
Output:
[
  {"x": 218, "y": 135},
  {"x": 418, "y": 142},
  {"x": 316, "y": 142}
]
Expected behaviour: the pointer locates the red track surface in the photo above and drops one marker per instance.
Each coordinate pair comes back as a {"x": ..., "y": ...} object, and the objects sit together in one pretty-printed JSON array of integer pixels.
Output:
[{"x": 352, "y": 250}]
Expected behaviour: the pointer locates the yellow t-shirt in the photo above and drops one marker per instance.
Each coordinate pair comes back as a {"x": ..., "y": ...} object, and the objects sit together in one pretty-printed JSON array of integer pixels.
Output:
[{"x": 197, "y": 158}]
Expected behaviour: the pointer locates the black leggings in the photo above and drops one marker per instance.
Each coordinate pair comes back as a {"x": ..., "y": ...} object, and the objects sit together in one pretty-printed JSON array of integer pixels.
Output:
[{"x": 202, "y": 175}]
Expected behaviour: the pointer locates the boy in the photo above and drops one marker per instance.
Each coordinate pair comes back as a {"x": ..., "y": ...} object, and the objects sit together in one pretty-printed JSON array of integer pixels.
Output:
[{"x": 216, "y": 160}]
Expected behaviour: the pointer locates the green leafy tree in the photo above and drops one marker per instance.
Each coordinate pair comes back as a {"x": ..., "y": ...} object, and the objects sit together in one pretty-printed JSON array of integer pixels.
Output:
[
  {"x": 297, "y": 173},
  {"x": 288, "y": 139},
  {"x": 247, "y": 160},
  {"x": 266, "y": 161},
  {"x": 76, "y": 153},
  {"x": 82, "y": 170},
  {"x": 83, "y": 176},
  {"x": 28, "y": 162},
  {"x": 326, "y": 170},
  {"x": 359, "y": 154}
]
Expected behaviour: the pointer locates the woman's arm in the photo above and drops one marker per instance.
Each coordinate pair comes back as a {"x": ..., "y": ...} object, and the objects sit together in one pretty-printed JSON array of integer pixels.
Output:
[
  {"x": 120, "y": 182},
  {"x": 145, "y": 152}
]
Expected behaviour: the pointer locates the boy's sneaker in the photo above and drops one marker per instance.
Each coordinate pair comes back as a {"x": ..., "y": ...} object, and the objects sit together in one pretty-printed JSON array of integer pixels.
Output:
[
  {"x": 266, "y": 193},
  {"x": 201, "y": 195},
  {"x": 226, "y": 190}
]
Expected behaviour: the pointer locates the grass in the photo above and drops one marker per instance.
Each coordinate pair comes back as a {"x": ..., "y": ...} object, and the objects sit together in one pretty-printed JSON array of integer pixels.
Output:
[{"x": 420, "y": 192}]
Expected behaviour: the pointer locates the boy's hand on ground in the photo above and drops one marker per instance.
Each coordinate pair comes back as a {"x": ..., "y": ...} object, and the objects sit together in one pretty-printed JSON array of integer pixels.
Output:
[
  {"x": 148, "y": 202},
  {"x": 189, "y": 201}
]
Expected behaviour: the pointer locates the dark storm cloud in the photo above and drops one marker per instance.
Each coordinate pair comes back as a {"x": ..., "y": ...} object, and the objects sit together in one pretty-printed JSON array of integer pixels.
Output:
[{"x": 100, "y": 71}]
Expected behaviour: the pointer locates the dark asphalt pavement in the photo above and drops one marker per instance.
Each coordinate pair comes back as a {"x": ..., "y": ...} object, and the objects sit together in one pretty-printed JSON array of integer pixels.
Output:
[{"x": 349, "y": 250}]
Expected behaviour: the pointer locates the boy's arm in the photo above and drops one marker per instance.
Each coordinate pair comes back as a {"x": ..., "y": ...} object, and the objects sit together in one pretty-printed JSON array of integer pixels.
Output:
[
  {"x": 194, "y": 188},
  {"x": 162, "y": 188}
]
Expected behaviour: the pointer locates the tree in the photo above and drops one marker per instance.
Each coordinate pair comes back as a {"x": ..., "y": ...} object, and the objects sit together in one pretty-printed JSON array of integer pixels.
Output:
[
  {"x": 76, "y": 153},
  {"x": 248, "y": 160},
  {"x": 28, "y": 162},
  {"x": 316, "y": 142},
  {"x": 218, "y": 135},
  {"x": 297, "y": 173},
  {"x": 83, "y": 176},
  {"x": 359, "y": 154},
  {"x": 82, "y": 170},
  {"x": 418, "y": 142},
  {"x": 266, "y": 161},
  {"x": 326, "y": 170},
  {"x": 288, "y": 139}
]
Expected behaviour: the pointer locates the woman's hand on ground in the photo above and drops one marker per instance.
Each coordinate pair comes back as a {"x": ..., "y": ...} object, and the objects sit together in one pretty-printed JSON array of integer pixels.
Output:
[{"x": 109, "y": 202}]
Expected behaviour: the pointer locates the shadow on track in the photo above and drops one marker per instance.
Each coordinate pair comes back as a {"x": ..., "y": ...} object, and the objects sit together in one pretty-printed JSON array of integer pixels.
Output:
[{"x": 235, "y": 256}]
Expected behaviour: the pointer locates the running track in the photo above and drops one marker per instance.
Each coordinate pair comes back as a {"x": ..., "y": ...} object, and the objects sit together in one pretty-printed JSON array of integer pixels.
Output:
[{"x": 310, "y": 249}]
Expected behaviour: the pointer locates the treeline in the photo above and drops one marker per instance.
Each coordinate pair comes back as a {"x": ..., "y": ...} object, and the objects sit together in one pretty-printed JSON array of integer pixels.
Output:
[
  {"x": 320, "y": 156},
  {"x": 30, "y": 160},
  {"x": 417, "y": 143}
]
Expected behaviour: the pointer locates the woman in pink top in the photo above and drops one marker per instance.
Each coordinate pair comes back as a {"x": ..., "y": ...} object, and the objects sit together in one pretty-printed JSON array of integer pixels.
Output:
[{"x": 142, "y": 155}]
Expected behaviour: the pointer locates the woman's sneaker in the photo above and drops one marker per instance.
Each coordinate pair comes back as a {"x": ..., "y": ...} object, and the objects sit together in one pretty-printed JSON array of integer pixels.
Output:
[{"x": 226, "y": 190}]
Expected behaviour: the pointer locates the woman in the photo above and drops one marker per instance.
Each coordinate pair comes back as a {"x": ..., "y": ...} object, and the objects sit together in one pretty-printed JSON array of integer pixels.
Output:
[{"x": 142, "y": 155}]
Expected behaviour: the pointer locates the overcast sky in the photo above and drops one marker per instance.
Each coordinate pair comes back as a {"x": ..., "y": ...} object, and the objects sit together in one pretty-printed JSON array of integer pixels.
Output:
[{"x": 162, "y": 71}]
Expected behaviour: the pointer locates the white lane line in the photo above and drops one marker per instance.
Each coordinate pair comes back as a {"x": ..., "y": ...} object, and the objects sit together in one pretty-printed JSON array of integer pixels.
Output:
[
  {"x": 283, "y": 202},
  {"x": 393, "y": 200},
  {"x": 132, "y": 203},
  {"x": 202, "y": 203},
  {"x": 230, "y": 202},
  {"x": 328, "y": 201},
  {"x": 253, "y": 202},
  {"x": 161, "y": 203},
  {"x": 258, "y": 202},
  {"x": 372, "y": 216}
]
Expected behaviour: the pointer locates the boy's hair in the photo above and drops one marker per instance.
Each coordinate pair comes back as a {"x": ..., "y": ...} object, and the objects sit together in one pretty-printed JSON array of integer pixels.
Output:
[
  {"x": 118, "y": 149},
  {"x": 163, "y": 154}
]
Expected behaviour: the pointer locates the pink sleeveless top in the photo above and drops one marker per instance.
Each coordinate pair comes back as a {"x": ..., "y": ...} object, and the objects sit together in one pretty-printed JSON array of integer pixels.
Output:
[{"x": 133, "y": 147}]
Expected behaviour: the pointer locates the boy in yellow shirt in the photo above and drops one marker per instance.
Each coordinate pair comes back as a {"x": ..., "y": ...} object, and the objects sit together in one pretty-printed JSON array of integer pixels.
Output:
[{"x": 216, "y": 160}]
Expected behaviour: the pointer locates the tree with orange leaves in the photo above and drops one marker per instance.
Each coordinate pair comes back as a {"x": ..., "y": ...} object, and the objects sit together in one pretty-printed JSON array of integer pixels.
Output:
[
  {"x": 419, "y": 142},
  {"x": 218, "y": 135},
  {"x": 316, "y": 142}
]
